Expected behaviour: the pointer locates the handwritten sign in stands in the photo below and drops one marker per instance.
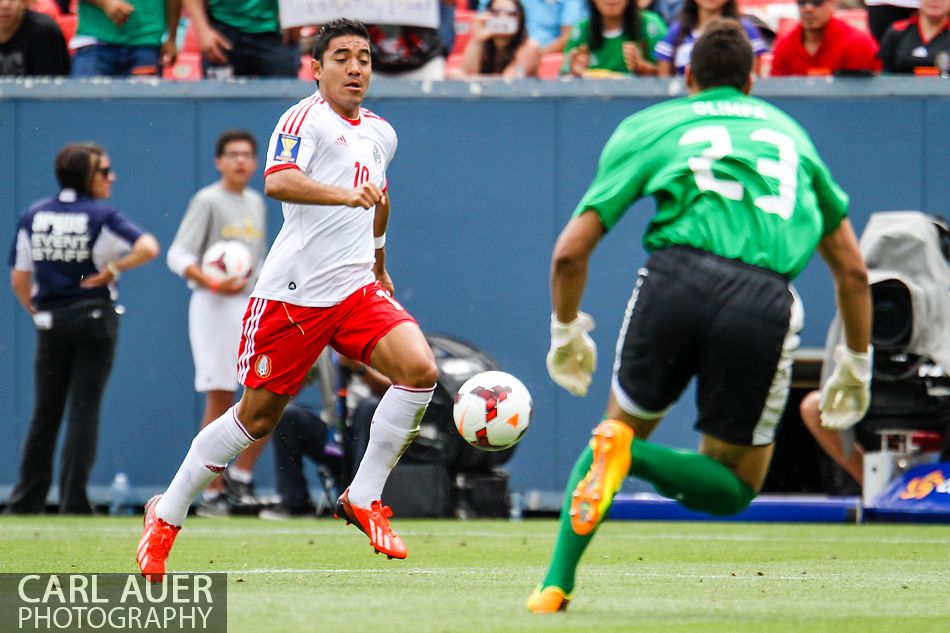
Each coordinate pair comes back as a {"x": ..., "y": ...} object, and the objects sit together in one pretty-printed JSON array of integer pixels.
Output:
[{"x": 405, "y": 12}]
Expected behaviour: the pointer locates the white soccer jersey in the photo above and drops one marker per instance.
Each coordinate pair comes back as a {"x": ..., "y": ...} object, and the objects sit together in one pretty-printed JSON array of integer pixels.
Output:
[{"x": 325, "y": 253}]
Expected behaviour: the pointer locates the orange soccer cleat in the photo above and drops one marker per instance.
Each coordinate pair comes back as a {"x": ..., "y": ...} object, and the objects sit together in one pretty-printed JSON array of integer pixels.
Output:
[
  {"x": 156, "y": 542},
  {"x": 548, "y": 600},
  {"x": 591, "y": 499},
  {"x": 374, "y": 523}
]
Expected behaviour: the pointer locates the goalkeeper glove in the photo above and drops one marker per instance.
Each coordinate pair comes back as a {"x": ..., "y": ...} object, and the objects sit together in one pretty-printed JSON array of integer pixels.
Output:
[
  {"x": 847, "y": 394},
  {"x": 573, "y": 353}
]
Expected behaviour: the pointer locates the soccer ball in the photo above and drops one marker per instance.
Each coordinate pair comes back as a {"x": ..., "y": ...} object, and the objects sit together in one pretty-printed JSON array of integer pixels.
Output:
[
  {"x": 492, "y": 410},
  {"x": 225, "y": 260}
]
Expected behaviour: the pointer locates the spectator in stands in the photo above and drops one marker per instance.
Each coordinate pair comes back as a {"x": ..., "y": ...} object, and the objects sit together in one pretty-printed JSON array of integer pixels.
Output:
[
  {"x": 549, "y": 22},
  {"x": 499, "y": 45},
  {"x": 618, "y": 37},
  {"x": 406, "y": 52},
  {"x": 674, "y": 50},
  {"x": 242, "y": 38},
  {"x": 30, "y": 43},
  {"x": 122, "y": 38},
  {"x": 915, "y": 43},
  {"x": 669, "y": 10},
  {"x": 883, "y": 13},
  {"x": 821, "y": 44},
  {"x": 447, "y": 26}
]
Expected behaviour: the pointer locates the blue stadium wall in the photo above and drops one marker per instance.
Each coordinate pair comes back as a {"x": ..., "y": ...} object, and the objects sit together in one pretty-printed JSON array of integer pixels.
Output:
[{"x": 484, "y": 178}]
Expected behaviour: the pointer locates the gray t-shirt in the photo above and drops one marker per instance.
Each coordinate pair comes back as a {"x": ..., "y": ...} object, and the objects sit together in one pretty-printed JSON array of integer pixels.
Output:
[{"x": 216, "y": 214}]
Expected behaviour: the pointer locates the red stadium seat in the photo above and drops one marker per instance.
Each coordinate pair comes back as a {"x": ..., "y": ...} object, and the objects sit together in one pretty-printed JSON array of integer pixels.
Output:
[
  {"x": 463, "y": 29},
  {"x": 67, "y": 24},
  {"x": 190, "y": 45},
  {"x": 187, "y": 68},
  {"x": 785, "y": 26},
  {"x": 49, "y": 7},
  {"x": 550, "y": 67},
  {"x": 858, "y": 18},
  {"x": 453, "y": 62},
  {"x": 305, "y": 71}
]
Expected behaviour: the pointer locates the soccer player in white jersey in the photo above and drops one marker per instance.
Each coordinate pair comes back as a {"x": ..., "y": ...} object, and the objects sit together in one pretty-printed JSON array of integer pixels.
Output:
[{"x": 324, "y": 282}]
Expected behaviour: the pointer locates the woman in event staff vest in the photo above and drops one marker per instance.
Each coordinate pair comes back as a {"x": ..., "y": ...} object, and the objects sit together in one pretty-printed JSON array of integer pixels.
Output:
[{"x": 66, "y": 258}]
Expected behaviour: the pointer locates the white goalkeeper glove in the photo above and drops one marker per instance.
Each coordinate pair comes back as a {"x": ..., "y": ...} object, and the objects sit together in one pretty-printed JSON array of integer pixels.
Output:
[
  {"x": 573, "y": 353},
  {"x": 847, "y": 394}
]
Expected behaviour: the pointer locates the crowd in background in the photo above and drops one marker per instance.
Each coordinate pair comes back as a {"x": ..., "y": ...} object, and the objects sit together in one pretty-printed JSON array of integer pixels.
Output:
[{"x": 509, "y": 39}]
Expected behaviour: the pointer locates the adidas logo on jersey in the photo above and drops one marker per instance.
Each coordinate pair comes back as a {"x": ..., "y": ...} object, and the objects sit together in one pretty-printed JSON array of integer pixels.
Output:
[{"x": 341, "y": 140}]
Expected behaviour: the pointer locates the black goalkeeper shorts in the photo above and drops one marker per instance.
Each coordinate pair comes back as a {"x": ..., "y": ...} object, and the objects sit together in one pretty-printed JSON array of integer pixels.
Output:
[{"x": 731, "y": 324}]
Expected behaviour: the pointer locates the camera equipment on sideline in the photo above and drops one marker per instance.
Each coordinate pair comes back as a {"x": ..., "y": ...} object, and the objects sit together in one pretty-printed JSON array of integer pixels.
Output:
[{"x": 907, "y": 254}]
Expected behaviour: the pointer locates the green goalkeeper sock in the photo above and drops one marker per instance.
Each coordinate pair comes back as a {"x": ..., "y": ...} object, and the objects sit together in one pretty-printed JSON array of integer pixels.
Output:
[
  {"x": 569, "y": 546},
  {"x": 694, "y": 480}
]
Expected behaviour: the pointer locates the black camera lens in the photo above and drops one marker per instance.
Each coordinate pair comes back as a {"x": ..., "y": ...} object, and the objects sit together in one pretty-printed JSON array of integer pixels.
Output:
[{"x": 893, "y": 316}]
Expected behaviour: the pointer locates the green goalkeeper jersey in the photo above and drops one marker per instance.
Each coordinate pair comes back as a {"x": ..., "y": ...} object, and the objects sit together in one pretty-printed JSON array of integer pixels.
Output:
[{"x": 731, "y": 175}]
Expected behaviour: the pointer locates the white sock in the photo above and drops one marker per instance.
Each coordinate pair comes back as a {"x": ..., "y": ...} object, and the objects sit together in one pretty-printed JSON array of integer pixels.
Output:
[
  {"x": 240, "y": 475},
  {"x": 395, "y": 425},
  {"x": 211, "y": 450}
]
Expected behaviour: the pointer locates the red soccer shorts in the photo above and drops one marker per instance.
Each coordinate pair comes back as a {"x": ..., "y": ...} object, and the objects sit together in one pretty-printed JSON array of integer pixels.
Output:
[{"x": 280, "y": 342}]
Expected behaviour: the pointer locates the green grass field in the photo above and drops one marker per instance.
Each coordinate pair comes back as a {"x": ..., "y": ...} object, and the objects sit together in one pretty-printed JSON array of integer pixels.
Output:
[{"x": 317, "y": 575}]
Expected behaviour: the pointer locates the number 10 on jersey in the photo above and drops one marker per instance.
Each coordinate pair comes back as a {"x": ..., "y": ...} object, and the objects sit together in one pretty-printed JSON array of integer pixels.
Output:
[{"x": 361, "y": 175}]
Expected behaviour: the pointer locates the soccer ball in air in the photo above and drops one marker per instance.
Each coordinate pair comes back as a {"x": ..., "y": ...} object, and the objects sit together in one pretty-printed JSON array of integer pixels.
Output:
[
  {"x": 225, "y": 260},
  {"x": 492, "y": 410}
]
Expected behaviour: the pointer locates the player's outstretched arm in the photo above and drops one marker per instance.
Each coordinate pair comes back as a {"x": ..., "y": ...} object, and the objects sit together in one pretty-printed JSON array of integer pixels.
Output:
[
  {"x": 846, "y": 395},
  {"x": 839, "y": 249},
  {"x": 573, "y": 355},
  {"x": 569, "y": 263},
  {"x": 292, "y": 185}
]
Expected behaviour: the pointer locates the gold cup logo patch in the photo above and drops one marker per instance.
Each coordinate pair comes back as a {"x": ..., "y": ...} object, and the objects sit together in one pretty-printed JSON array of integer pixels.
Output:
[{"x": 288, "y": 144}]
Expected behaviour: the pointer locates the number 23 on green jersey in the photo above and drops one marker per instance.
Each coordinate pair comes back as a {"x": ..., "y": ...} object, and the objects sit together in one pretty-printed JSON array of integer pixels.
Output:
[{"x": 731, "y": 174}]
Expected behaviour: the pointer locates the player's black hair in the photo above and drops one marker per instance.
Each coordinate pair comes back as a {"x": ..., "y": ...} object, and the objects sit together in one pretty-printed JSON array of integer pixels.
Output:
[
  {"x": 722, "y": 56},
  {"x": 231, "y": 136},
  {"x": 76, "y": 165},
  {"x": 494, "y": 60},
  {"x": 689, "y": 17},
  {"x": 631, "y": 24},
  {"x": 335, "y": 28}
]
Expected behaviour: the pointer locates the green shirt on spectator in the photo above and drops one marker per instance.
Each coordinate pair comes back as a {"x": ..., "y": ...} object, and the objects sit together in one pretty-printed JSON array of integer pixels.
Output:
[
  {"x": 610, "y": 55},
  {"x": 247, "y": 16},
  {"x": 145, "y": 26}
]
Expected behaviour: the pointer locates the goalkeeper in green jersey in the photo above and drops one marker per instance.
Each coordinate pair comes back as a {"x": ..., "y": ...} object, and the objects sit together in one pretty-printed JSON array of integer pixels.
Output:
[{"x": 743, "y": 200}]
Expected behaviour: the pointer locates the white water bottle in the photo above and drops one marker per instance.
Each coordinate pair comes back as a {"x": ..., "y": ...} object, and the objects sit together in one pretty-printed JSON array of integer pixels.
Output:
[{"x": 119, "y": 494}]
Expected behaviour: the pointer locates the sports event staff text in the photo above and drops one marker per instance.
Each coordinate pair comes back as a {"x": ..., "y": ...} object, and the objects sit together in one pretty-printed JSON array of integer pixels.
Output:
[{"x": 113, "y": 602}]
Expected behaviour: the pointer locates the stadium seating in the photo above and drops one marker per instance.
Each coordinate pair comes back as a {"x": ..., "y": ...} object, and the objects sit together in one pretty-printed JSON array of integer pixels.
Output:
[
  {"x": 49, "y": 7},
  {"x": 305, "y": 73},
  {"x": 186, "y": 68},
  {"x": 858, "y": 18},
  {"x": 550, "y": 66},
  {"x": 453, "y": 62},
  {"x": 463, "y": 30},
  {"x": 67, "y": 24},
  {"x": 190, "y": 43}
]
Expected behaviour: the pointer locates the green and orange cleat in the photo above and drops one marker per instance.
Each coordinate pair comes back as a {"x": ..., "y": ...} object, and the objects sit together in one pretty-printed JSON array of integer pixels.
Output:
[{"x": 592, "y": 497}]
